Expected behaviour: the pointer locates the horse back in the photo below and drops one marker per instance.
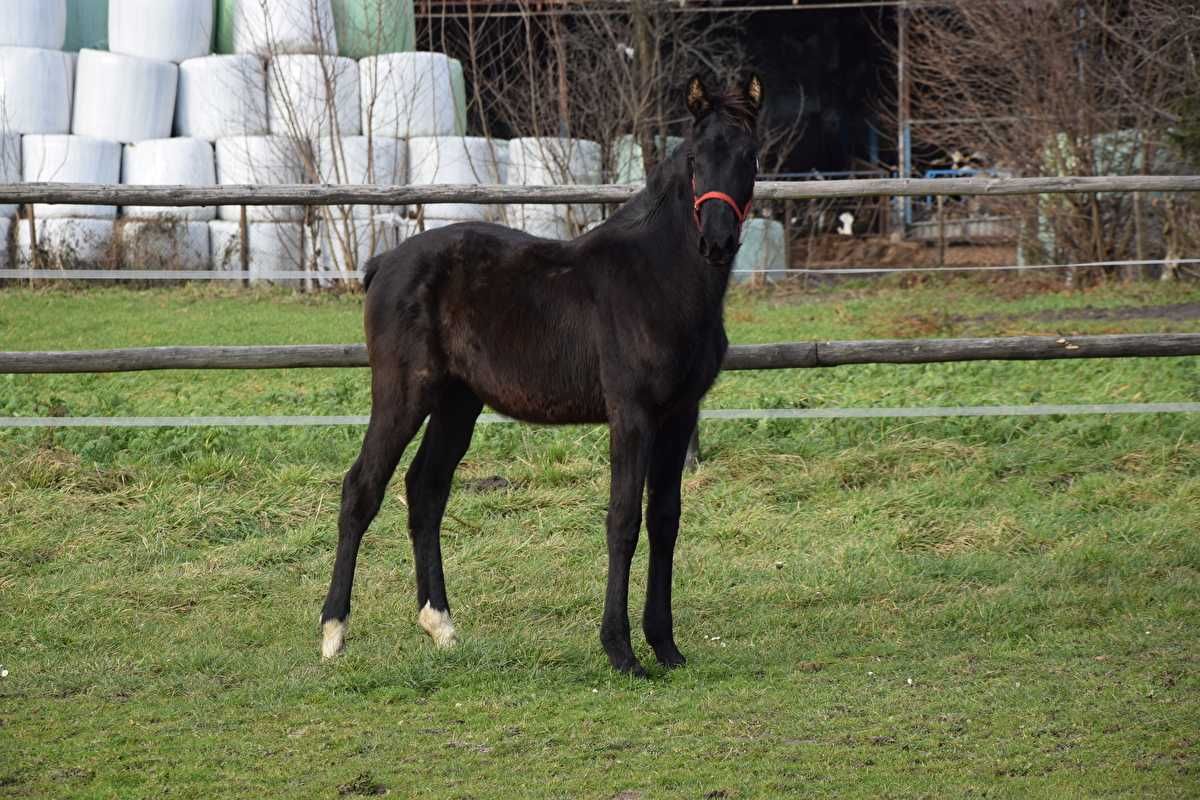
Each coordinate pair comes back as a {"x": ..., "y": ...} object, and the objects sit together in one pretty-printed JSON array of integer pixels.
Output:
[{"x": 542, "y": 330}]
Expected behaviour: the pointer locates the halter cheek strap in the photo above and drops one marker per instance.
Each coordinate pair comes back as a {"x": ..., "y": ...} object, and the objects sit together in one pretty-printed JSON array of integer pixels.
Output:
[{"x": 739, "y": 212}]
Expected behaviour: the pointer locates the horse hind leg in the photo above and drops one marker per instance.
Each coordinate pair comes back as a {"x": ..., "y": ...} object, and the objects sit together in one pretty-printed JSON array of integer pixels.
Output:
[
  {"x": 428, "y": 484},
  {"x": 400, "y": 401}
]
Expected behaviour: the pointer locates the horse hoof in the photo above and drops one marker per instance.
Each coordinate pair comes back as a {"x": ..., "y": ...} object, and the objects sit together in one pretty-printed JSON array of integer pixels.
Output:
[
  {"x": 439, "y": 627},
  {"x": 630, "y": 667},
  {"x": 671, "y": 660},
  {"x": 333, "y": 637}
]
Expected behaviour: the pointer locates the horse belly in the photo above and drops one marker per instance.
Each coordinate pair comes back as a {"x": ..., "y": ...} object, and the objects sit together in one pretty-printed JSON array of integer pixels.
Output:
[{"x": 546, "y": 379}]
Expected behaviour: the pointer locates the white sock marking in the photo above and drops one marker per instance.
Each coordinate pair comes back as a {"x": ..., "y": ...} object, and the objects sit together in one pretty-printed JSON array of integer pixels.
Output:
[
  {"x": 333, "y": 637},
  {"x": 438, "y": 625}
]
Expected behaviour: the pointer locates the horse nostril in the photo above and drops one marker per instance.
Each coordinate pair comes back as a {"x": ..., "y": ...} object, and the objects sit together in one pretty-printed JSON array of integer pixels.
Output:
[{"x": 704, "y": 247}]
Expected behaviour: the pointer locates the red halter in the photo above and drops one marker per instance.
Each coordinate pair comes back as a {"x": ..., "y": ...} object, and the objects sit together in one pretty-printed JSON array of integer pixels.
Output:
[{"x": 740, "y": 213}]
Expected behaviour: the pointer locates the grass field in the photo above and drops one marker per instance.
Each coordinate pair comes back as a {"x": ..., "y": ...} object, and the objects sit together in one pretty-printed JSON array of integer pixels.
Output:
[{"x": 957, "y": 607}]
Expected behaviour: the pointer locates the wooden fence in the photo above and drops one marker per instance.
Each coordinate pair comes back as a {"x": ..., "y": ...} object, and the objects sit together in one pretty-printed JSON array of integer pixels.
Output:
[
  {"x": 783, "y": 355},
  {"x": 313, "y": 194}
]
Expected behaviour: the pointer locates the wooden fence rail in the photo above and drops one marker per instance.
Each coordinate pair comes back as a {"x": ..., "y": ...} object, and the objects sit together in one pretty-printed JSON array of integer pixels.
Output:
[
  {"x": 783, "y": 355},
  {"x": 312, "y": 194}
]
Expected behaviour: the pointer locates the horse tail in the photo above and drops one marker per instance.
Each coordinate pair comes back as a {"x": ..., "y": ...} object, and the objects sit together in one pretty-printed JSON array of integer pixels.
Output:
[{"x": 369, "y": 271}]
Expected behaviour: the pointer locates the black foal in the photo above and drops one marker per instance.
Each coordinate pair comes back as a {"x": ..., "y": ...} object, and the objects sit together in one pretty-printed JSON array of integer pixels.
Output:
[{"x": 622, "y": 325}]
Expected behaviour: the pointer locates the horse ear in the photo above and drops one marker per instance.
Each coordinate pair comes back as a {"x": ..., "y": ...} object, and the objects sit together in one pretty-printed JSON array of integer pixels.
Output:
[
  {"x": 697, "y": 97},
  {"x": 754, "y": 92}
]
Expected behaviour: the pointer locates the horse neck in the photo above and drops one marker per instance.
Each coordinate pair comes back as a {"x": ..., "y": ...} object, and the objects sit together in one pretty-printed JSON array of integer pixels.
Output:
[
  {"x": 665, "y": 211},
  {"x": 710, "y": 279}
]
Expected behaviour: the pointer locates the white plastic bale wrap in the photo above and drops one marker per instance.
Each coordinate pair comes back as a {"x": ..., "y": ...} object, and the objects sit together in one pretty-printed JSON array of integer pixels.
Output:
[
  {"x": 269, "y": 160},
  {"x": 273, "y": 247},
  {"x": 66, "y": 243},
  {"x": 33, "y": 23},
  {"x": 124, "y": 98},
  {"x": 763, "y": 246},
  {"x": 270, "y": 27},
  {"x": 454, "y": 159},
  {"x": 628, "y": 163},
  {"x": 10, "y": 167},
  {"x": 363, "y": 160},
  {"x": 553, "y": 162},
  {"x": 348, "y": 244},
  {"x": 502, "y": 148},
  {"x": 407, "y": 94},
  {"x": 547, "y": 226},
  {"x": 70, "y": 159},
  {"x": 221, "y": 96},
  {"x": 169, "y": 162},
  {"x": 164, "y": 30},
  {"x": 164, "y": 244},
  {"x": 310, "y": 96},
  {"x": 6, "y": 231},
  {"x": 36, "y": 87}
]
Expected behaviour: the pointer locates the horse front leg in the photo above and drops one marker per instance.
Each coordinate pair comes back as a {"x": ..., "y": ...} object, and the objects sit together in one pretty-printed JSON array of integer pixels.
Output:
[
  {"x": 630, "y": 441},
  {"x": 671, "y": 446}
]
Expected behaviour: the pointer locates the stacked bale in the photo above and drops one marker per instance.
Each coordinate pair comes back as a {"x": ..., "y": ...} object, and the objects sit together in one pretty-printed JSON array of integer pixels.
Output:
[
  {"x": 313, "y": 96},
  {"x": 169, "y": 162},
  {"x": 369, "y": 27},
  {"x": 69, "y": 235},
  {"x": 36, "y": 87},
  {"x": 66, "y": 243},
  {"x": 10, "y": 169},
  {"x": 348, "y": 236},
  {"x": 36, "y": 81},
  {"x": 458, "y": 90},
  {"x": 167, "y": 237},
  {"x": 272, "y": 247},
  {"x": 161, "y": 30},
  {"x": 407, "y": 94},
  {"x": 274, "y": 233},
  {"x": 266, "y": 160},
  {"x": 123, "y": 98},
  {"x": 164, "y": 244},
  {"x": 453, "y": 160},
  {"x": 763, "y": 246},
  {"x": 628, "y": 161},
  {"x": 347, "y": 243},
  {"x": 362, "y": 161},
  {"x": 275, "y": 26},
  {"x": 129, "y": 95},
  {"x": 10, "y": 172},
  {"x": 221, "y": 96},
  {"x": 285, "y": 103},
  {"x": 553, "y": 161},
  {"x": 33, "y": 23}
]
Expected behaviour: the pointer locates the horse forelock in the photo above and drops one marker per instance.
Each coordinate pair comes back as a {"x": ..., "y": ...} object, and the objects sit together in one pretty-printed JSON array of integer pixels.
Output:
[{"x": 735, "y": 108}]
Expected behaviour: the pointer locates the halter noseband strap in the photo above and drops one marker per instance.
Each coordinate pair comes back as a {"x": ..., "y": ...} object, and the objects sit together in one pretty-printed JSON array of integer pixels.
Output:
[{"x": 739, "y": 212}]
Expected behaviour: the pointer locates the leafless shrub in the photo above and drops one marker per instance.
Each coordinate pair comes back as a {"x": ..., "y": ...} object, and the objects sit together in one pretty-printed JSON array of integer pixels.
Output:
[{"x": 1060, "y": 87}]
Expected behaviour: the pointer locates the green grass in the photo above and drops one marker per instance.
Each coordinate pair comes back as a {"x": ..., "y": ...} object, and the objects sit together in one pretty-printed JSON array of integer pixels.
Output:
[{"x": 984, "y": 607}]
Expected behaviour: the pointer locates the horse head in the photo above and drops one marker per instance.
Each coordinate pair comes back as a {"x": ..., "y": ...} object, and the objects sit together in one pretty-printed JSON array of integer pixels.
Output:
[{"x": 723, "y": 159}]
